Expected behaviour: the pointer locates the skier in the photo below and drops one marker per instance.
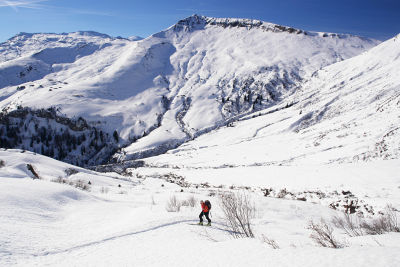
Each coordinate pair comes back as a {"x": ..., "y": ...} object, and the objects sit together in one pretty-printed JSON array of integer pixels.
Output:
[{"x": 205, "y": 209}]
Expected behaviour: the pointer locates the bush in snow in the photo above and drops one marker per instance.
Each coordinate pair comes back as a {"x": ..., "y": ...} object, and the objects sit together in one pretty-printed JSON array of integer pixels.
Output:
[
  {"x": 322, "y": 234},
  {"x": 238, "y": 211},
  {"x": 184, "y": 203},
  {"x": 70, "y": 171},
  {"x": 78, "y": 183},
  {"x": 2, "y": 163},
  {"x": 61, "y": 180},
  {"x": 192, "y": 201},
  {"x": 82, "y": 185},
  {"x": 356, "y": 226},
  {"x": 387, "y": 222},
  {"x": 173, "y": 205},
  {"x": 272, "y": 243},
  {"x": 350, "y": 224},
  {"x": 189, "y": 202}
]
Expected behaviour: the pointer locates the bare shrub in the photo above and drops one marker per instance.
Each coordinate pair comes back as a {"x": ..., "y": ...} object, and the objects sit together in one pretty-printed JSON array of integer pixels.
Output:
[
  {"x": 173, "y": 205},
  {"x": 355, "y": 226},
  {"x": 322, "y": 234},
  {"x": 2, "y": 163},
  {"x": 70, "y": 171},
  {"x": 391, "y": 214},
  {"x": 104, "y": 190},
  {"x": 387, "y": 222},
  {"x": 350, "y": 224},
  {"x": 59, "y": 180},
  {"x": 184, "y": 203},
  {"x": 376, "y": 227},
  {"x": 192, "y": 201},
  {"x": 272, "y": 243},
  {"x": 238, "y": 212},
  {"x": 82, "y": 185}
]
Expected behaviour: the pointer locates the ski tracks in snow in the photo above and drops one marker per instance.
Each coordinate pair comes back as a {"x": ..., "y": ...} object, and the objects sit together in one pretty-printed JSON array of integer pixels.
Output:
[{"x": 116, "y": 237}]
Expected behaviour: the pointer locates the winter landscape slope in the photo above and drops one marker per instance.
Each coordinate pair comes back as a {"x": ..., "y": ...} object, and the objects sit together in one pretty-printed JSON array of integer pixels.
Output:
[
  {"x": 346, "y": 112},
  {"x": 29, "y": 57},
  {"x": 124, "y": 221},
  {"x": 177, "y": 84},
  {"x": 305, "y": 124}
]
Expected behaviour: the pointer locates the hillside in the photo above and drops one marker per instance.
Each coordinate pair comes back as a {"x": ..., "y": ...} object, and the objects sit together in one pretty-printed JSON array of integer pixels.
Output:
[
  {"x": 107, "y": 146},
  {"x": 157, "y": 93},
  {"x": 346, "y": 112},
  {"x": 121, "y": 221},
  {"x": 29, "y": 57}
]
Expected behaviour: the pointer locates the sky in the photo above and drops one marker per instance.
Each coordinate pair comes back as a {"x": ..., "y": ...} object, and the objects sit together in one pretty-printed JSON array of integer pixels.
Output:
[{"x": 370, "y": 18}]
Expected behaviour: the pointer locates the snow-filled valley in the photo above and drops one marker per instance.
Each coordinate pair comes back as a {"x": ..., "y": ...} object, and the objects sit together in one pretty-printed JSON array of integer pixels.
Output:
[{"x": 304, "y": 125}]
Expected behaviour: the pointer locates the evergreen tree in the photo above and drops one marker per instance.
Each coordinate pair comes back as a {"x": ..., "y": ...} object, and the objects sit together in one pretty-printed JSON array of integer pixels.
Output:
[{"x": 116, "y": 137}]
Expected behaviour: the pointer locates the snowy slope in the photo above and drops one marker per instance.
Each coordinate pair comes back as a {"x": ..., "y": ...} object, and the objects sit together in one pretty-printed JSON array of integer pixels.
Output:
[
  {"x": 124, "y": 222},
  {"x": 30, "y": 57},
  {"x": 26, "y": 44},
  {"x": 315, "y": 143},
  {"x": 346, "y": 112},
  {"x": 230, "y": 67},
  {"x": 184, "y": 81}
]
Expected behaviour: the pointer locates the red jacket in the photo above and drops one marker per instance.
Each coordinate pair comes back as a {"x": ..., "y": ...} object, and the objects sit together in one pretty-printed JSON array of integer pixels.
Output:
[{"x": 204, "y": 207}]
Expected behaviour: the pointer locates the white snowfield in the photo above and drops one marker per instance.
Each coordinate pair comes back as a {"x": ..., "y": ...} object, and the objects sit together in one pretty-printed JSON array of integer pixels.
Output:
[
  {"x": 306, "y": 124},
  {"x": 49, "y": 224},
  {"x": 183, "y": 81}
]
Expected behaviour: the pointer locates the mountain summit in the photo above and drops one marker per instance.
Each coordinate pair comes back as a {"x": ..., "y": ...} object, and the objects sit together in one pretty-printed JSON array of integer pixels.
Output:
[{"x": 199, "y": 22}]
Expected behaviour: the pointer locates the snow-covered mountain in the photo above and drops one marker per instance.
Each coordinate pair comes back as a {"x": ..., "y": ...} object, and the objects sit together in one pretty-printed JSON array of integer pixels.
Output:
[
  {"x": 302, "y": 127},
  {"x": 27, "y": 44},
  {"x": 28, "y": 57},
  {"x": 348, "y": 111},
  {"x": 195, "y": 76}
]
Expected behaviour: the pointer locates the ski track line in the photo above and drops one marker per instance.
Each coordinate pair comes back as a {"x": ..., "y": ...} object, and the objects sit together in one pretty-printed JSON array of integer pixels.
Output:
[{"x": 118, "y": 237}]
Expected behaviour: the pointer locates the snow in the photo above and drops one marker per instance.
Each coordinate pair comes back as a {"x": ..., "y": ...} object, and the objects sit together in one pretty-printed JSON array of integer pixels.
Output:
[
  {"x": 330, "y": 137},
  {"x": 25, "y": 44},
  {"x": 57, "y": 224},
  {"x": 346, "y": 112}
]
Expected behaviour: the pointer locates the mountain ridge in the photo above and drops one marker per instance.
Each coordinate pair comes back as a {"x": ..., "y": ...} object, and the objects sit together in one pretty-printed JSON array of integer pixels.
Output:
[
  {"x": 166, "y": 89},
  {"x": 196, "y": 20}
]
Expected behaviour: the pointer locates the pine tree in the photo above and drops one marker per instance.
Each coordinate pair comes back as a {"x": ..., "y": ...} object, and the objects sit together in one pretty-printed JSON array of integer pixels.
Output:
[{"x": 116, "y": 137}]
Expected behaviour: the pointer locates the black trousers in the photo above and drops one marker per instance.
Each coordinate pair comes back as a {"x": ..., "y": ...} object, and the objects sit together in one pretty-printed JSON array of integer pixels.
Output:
[{"x": 206, "y": 214}]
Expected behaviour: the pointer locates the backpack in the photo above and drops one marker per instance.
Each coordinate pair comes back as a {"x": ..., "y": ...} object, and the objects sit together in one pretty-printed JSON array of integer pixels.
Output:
[{"x": 208, "y": 204}]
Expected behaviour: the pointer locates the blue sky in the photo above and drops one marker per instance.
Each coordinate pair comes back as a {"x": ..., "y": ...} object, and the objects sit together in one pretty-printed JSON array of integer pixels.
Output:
[{"x": 372, "y": 18}]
